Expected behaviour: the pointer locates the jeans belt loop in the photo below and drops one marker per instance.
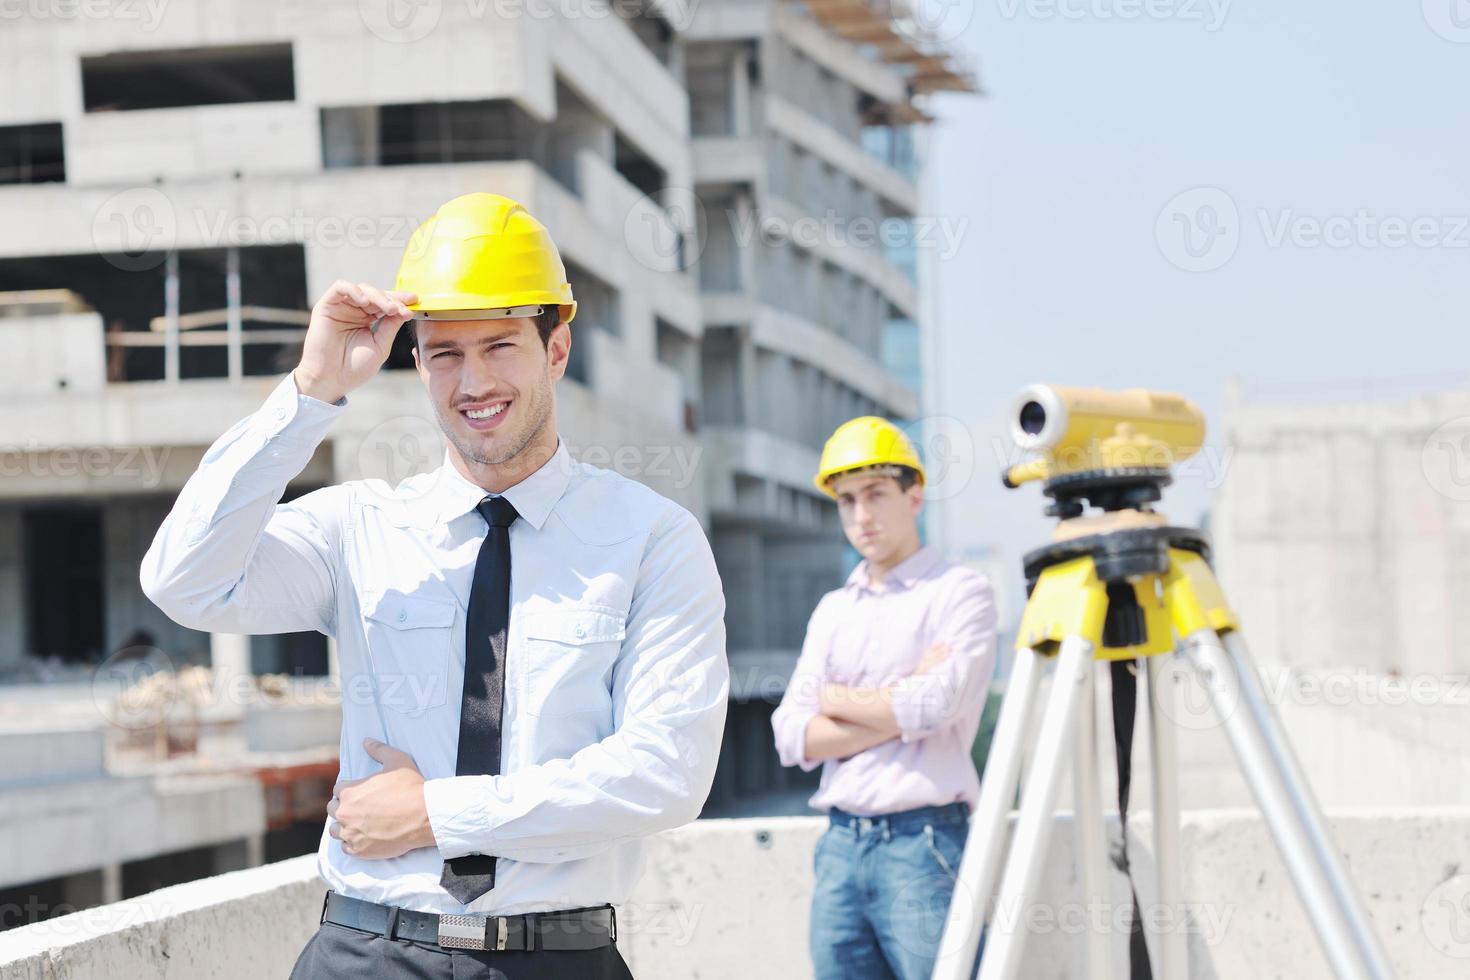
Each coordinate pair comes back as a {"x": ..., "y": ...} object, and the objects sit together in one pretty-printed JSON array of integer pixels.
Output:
[
  {"x": 390, "y": 932},
  {"x": 325, "y": 899},
  {"x": 530, "y": 927}
]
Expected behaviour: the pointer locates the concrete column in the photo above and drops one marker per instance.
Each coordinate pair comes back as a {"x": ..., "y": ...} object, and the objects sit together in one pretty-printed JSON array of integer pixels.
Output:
[
  {"x": 744, "y": 216},
  {"x": 745, "y": 379},
  {"x": 111, "y": 883},
  {"x": 83, "y": 890},
  {"x": 229, "y": 655},
  {"x": 235, "y": 353},
  {"x": 171, "y": 311},
  {"x": 12, "y": 605},
  {"x": 232, "y": 856},
  {"x": 255, "y": 850},
  {"x": 677, "y": 59},
  {"x": 740, "y": 94}
]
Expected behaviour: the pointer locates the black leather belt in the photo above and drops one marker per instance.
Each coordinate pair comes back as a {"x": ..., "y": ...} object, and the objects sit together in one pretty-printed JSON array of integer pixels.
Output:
[{"x": 589, "y": 928}]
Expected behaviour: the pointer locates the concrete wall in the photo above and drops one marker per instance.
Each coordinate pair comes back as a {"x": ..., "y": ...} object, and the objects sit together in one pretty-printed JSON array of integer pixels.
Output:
[
  {"x": 1342, "y": 532},
  {"x": 51, "y": 353},
  {"x": 78, "y": 824},
  {"x": 1360, "y": 738},
  {"x": 339, "y": 53},
  {"x": 729, "y": 898}
]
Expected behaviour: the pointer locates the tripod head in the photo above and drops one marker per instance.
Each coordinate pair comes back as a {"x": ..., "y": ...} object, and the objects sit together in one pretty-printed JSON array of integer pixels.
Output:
[
  {"x": 1112, "y": 450},
  {"x": 1109, "y": 449}
]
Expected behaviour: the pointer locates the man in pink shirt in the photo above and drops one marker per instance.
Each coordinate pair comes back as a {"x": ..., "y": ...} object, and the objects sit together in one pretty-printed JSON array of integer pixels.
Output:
[{"x": 886, "y": 697}]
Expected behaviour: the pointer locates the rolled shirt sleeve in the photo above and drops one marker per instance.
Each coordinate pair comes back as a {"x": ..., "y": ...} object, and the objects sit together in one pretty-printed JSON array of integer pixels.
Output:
[
  {"x": 670, "y": 690},
  {"x": 802, "y": 700},
  {"x": 930, "y": 702}
]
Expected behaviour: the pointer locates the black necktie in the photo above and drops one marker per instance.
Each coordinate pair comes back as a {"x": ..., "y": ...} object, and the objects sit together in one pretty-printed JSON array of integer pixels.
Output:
[{"x": 470, "y": 876}]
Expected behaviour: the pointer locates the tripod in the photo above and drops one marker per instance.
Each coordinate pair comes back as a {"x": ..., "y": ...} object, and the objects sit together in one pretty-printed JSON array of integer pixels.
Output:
[{"x": 1112, "y": 588}]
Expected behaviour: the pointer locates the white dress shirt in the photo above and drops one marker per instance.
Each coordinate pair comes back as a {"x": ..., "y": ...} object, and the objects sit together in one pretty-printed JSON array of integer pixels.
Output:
[
  {"x": 874, "y": 635},
  {"x": 616, "y": 678}
]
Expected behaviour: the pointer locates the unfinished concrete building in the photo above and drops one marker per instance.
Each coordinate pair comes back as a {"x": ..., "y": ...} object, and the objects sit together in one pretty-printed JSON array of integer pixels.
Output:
[
  {"x": 178, "y": 190},
  {"x": 804, "y": 127}
]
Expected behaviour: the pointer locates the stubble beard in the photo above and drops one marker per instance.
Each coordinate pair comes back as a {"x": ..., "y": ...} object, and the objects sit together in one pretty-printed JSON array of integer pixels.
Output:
[{"x": 537, "y": 414}]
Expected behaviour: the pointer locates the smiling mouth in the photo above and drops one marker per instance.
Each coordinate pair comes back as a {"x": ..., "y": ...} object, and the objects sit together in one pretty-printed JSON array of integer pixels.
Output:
[{"x": 486, "y": 416}]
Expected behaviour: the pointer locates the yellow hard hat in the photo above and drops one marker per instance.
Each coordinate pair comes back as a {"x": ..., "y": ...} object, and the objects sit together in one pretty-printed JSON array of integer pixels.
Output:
[
  {"x": 863, "y": 442},
  {"x": 483, "y": 252}
]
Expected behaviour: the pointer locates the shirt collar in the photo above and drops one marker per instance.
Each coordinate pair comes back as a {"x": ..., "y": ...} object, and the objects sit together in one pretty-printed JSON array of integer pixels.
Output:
[
  {"x": 904, "y": 574},
  {"x": 533, "y": 498}
]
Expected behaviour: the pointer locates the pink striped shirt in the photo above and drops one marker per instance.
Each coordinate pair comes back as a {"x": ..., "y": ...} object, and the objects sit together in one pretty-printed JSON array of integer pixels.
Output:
[{"x": 866, "y": 636}]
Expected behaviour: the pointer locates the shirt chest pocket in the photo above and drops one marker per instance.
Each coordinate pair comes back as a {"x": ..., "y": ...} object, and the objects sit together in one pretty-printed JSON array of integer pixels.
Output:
[
  {"x": 409, "y": 640},
  {"x": 569, "y": 658}
]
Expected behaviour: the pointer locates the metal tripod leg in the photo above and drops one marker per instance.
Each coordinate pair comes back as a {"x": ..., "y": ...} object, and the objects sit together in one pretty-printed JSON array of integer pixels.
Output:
[
  {"x": 1300, "y": 837},
  {"x": 1087, "y": 813},
  {"x": 1004, "y": 945},
  {"x": 1170, "y": 949},
  {"x": 1309, "y": 812},
  {"x": 980, "y": 866}
]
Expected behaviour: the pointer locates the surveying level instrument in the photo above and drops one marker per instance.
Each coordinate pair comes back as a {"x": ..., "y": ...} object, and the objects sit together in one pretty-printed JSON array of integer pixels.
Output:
[{"x": 1122, "y": 588}]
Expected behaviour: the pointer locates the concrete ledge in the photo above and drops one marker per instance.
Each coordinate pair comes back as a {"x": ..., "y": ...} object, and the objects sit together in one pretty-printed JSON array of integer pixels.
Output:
[
  {"x": 244, "y": 924},
  {"x": 729, "y": 898}
]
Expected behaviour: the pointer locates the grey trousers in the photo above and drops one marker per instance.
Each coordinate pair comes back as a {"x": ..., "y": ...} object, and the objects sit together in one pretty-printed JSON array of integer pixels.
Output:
[{"x": 341, "y": 952}]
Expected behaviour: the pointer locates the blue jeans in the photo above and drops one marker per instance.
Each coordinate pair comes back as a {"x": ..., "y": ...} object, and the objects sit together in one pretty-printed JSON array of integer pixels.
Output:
[{"x": 883, "y": 888}]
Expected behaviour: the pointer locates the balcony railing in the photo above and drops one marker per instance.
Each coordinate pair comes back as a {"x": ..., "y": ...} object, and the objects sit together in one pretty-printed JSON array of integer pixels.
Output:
[{"x": 194, "y": 330}]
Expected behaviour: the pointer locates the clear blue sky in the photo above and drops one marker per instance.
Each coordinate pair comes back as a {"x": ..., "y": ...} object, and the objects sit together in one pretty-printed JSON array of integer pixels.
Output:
[{"x": 1350, "y": 119}]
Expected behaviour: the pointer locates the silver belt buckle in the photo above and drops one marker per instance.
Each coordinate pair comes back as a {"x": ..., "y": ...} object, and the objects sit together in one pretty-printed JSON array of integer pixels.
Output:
[{"x": 472, "y": 932}]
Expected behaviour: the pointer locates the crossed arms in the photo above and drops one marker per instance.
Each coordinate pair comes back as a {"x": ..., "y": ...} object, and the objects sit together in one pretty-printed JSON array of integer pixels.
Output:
[
  {"x": 819, "y": 720},
  {"x": 854, "y": 719}
]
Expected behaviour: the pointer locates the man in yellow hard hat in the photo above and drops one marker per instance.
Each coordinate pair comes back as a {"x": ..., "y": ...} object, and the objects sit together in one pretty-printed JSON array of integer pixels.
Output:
[
  {"x": 886, "y": 697},
  {"x": 532, "y": 650}
]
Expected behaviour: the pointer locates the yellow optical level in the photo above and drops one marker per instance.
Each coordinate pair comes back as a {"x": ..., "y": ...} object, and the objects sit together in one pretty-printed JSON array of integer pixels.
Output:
[{"x": 1090, "y": 430}]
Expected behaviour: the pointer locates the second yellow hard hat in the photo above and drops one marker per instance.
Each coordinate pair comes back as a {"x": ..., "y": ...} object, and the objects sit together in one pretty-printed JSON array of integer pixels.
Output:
[
  {"x": 484, "y": 252},
  {"x": 863, "y": 442}
]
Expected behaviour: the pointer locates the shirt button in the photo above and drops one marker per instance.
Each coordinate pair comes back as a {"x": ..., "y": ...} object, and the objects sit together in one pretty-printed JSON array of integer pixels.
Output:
[
  {"x": 402, "y": 615},
  {"x": 581, "y": 632},
  {"x": 280, "y": 413}
]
